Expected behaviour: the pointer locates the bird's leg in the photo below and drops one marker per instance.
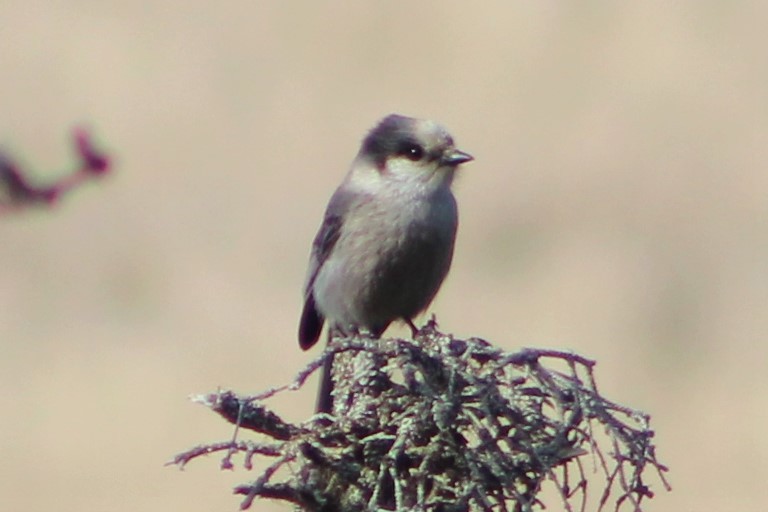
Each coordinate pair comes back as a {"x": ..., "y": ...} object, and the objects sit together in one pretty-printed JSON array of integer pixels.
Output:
[
  {"x": 414, "y": 329},
  {"x": 346, "y": 331}
]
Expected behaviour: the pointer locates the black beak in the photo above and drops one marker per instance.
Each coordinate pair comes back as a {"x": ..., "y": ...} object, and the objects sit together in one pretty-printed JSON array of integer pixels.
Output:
[{"x": 455, "y": 157}]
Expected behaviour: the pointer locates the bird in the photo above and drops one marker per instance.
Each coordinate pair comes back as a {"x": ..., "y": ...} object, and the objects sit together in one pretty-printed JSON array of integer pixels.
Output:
[{"x": 386, "y": 241}]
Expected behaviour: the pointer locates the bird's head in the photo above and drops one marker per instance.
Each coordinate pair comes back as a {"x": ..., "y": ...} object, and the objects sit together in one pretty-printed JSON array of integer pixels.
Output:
[{"x": 404, "y": 150}]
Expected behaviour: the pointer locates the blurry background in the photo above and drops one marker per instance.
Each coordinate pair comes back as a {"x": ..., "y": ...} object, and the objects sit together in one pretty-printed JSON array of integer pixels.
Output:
[{"x": 617, "y": 206}]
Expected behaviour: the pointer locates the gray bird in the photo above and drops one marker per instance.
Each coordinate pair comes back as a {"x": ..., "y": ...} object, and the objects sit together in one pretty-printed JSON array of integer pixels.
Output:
[{"x": 386, "y": 241}]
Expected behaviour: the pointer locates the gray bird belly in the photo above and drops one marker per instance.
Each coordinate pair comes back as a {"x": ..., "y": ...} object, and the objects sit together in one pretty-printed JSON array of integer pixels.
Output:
[
  {"x": 407, "y": 279},
  {"x": 381, "y": 272}
]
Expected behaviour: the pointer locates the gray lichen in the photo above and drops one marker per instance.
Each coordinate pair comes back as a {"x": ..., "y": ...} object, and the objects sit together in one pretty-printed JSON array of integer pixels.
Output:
[{"x": 443, "y": 424}]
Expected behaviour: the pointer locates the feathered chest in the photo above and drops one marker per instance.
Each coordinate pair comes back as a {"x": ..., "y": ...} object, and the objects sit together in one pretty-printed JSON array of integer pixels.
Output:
[{"x": 402, "y": 226}]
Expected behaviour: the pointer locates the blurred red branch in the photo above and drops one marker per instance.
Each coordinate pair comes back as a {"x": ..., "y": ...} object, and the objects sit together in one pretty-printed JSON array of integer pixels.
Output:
[{"x": 17, "y": 192}]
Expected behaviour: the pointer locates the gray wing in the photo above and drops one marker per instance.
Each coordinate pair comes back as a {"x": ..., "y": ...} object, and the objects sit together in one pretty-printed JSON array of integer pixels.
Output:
[{"x": 311, "y": 323}]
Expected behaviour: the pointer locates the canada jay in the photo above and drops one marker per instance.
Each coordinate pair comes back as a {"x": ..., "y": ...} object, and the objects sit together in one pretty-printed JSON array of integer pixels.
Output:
[{"x": 386, "y": 241}]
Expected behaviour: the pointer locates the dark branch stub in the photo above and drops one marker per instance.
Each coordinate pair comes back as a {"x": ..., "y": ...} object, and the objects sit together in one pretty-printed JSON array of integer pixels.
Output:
[
  {"x": 17, "y": 191},
  {"x": 442, "y": 424}
]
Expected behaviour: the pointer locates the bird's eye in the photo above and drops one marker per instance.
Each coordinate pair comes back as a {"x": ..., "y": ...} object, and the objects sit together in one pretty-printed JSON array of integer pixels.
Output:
[{"x": 411, "y": 151}]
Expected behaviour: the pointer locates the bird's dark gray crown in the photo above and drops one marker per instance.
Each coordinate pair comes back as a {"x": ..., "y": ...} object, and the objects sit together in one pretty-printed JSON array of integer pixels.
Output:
[{"x": 395, "y": 133}]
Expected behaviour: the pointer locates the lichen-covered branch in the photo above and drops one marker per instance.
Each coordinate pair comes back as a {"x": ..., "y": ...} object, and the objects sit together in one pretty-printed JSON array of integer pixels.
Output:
[{"x": 443, "y": 424}]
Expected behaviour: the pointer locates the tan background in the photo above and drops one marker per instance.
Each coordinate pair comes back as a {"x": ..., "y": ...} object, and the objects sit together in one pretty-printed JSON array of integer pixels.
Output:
[{"x": 617, "y": 207}]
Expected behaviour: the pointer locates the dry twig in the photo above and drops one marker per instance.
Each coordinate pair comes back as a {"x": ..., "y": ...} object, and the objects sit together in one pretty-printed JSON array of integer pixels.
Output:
[{"x": 17, "y": 191}]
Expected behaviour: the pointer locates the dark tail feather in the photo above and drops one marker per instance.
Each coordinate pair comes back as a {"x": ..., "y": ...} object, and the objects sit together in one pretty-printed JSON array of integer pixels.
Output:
[
  {"x": 311, "y": 323},
  {"x": 325, "y": 395}
]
